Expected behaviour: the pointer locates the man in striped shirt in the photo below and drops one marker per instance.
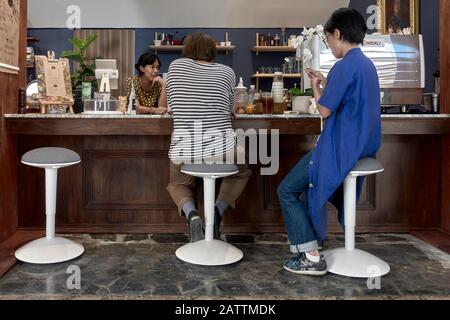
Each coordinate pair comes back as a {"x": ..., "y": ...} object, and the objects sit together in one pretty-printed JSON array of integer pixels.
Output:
[{"x": 201, "y": 97}]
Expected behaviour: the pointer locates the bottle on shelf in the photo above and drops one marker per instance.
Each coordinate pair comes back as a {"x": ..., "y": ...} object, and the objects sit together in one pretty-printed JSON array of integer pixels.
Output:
[
  {"x": 251, "y": 94},
  {"x": 262, "y": 40},
  {"x": 241, "y": 98},
  {"x": 283, "y": 37},
  {"x": 277, "y": 40},
  {"x": 259, "y": 109},
  {"x": 22, "y": 101}
]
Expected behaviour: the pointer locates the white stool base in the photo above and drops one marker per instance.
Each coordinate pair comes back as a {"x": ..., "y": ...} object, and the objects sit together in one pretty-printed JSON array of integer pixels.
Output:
[
  {"x": 47, "y": 251},
  {"x": 209, "y": 253},
  {"x": 355, "y": 263}
]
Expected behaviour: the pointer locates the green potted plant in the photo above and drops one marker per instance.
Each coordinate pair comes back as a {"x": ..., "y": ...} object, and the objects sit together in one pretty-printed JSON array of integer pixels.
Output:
[
  {"x": 301, "y": 100},
  {"x": 83, "y": 78}
]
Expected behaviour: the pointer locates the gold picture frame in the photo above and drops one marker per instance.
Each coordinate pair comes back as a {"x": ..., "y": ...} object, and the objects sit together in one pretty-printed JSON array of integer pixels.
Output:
[{"x": 408, "y": 13}]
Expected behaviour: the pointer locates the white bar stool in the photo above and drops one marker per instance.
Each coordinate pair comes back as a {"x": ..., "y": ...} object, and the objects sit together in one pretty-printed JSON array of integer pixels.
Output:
[
  {"x": 209, "y": 252},
  {"x": 348, "y": 261},
  {"x": 50, "y": 249}
]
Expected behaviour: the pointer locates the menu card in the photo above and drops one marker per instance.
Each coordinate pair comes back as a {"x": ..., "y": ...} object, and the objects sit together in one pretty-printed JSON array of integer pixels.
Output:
[{"x": 9, "y": 35}]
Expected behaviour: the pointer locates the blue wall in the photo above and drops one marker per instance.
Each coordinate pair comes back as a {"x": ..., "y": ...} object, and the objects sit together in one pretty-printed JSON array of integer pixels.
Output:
[{"x": 242, "y": 60}]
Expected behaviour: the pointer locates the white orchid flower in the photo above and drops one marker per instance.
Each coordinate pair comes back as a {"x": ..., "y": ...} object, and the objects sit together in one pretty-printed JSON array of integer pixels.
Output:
[
  {"x": 307, "y": 55},
  {"x": 287, "y": 59},
  {"x": 307, "y": 32},
  {"x": 296, "y": 43},
  {"x": 319, "y": 28}
]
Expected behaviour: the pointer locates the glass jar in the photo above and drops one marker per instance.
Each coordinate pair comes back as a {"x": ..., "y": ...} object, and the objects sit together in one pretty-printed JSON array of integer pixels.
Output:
[
  {"x": 267, "y": 102},
  {"x": 291, "y": 40}
]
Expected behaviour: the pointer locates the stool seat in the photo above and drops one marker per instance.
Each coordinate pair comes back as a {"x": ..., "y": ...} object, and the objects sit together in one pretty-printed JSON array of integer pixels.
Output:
[
  {"x": 366, "y": 167},
  {"x": 204, "y": 170},
  {"x": 50, "y": 156}
]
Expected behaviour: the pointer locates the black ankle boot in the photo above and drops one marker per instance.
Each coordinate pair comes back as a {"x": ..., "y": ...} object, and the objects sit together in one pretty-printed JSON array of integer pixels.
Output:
[{"x": 217, "y": 222}]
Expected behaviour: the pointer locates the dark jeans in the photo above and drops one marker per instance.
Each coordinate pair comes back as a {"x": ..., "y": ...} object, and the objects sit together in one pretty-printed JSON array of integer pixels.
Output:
[{"x": 293, "y": 195}]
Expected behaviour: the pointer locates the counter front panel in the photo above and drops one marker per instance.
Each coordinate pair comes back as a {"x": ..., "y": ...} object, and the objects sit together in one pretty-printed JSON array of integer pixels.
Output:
[{"x": 120, "y": 186}]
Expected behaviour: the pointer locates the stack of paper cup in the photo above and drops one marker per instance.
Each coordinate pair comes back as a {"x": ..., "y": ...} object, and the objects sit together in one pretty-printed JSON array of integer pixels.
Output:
[{"x": 278, "y": 88}]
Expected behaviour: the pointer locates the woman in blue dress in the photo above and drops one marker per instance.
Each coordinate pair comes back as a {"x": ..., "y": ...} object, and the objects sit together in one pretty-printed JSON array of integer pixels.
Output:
[{"x": 349, "y": 101}]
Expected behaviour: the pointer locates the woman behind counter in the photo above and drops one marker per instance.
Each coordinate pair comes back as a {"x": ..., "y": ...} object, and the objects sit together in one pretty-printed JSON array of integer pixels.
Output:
[{"x": 150, "y": 88}]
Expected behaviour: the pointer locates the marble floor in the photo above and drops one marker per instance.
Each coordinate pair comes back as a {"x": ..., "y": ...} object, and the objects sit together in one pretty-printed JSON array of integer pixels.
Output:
[{"x": 145, "y": 267}]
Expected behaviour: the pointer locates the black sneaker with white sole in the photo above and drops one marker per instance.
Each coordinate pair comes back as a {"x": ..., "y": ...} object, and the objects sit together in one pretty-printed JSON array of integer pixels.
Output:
[
  {"x": 300, "y": 264},
  {"x": 195, "y": 226}
]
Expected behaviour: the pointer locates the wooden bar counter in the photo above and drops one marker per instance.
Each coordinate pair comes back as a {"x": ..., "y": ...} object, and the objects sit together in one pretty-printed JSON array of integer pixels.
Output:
[{"x": 120, "y": 186}]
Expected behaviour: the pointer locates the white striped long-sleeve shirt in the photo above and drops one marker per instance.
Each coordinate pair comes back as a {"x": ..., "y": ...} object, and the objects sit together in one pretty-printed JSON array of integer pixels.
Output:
[{"x": 201, "y": 98}]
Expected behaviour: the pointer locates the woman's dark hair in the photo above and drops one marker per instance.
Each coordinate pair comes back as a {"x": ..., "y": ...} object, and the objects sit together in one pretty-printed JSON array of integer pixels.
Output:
[
  {"x": 350, "y": 23},
  {"x": 146, "y": 59},
  {"x": 200, "y": 46}
]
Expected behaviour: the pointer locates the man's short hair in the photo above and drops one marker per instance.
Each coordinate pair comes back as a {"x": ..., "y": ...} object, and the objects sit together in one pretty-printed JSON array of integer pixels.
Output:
[{"x": 350, "y": 23}]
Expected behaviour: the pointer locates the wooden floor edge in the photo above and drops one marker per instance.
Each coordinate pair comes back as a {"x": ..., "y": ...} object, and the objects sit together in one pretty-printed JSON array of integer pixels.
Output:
[
  {"x": 438, "y": 239},
  {"x": 10, "y": 245}
]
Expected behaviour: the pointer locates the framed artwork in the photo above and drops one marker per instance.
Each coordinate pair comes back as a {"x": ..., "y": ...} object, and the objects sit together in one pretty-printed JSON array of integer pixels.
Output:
[
  {"x": 54, "y": 83},
  {"x": 398, "y": 15}
]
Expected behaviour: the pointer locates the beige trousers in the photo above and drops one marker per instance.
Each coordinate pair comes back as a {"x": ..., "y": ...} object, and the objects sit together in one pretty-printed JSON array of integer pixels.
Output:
[{"x": 181, "y": 187}]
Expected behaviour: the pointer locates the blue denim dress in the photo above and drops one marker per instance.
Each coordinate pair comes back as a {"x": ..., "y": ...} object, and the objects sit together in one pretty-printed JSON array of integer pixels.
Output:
[{"x": 351, "y": 133}]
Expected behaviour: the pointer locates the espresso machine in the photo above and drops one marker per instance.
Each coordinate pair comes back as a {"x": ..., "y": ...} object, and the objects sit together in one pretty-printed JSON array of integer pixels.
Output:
[{"x": 400, "y": 62}]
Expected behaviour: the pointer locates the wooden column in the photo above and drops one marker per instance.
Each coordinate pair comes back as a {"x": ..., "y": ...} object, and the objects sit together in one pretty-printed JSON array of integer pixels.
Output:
[
  {"x": 445, "y": 108},
  {"x": 9, "y": 207},
  {"x": 9, "y": 90}
]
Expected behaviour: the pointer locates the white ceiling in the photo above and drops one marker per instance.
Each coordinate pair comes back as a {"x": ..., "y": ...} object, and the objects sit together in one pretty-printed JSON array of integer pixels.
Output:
[{"x": 184, "y": 14}]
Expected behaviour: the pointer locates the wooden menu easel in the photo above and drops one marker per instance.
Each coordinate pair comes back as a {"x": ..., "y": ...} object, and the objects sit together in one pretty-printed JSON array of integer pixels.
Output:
[{"x": 54, "y": 84}]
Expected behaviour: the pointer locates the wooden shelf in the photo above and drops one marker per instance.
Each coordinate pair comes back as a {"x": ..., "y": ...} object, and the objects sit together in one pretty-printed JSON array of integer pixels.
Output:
[
  {"x": 180, "y": 48},
  {"x": 167, "y": 48},
  {"x": 271, "y": 75},
  {"x": 259, "y": 49},
  {"x": 260, "y": 76}
]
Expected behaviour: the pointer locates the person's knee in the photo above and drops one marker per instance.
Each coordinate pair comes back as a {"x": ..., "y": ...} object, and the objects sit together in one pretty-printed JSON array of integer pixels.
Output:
[
  {"x": 283, "y": 189},
  {"x": 244, "y": 173}
]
